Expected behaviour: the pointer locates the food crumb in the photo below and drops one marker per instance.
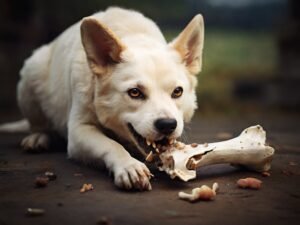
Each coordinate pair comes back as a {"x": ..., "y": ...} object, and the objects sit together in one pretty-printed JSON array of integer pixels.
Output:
[
  {"x": 35, "y": 212},
  {"x": 250, "y": 183},
  {"x": 265, "y": 174},
  {"x": 41, "y": 181},
  {"x": 50, "y": 175},
  {"x": 86, "y": 187}
]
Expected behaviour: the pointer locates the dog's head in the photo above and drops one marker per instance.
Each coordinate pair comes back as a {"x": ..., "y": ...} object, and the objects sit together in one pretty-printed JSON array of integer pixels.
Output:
[{"x": 144, "y": 89}]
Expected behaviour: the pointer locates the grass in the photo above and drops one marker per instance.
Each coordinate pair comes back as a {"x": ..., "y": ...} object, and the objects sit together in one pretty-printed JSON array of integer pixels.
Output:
[{"x": 231, "y": 55}]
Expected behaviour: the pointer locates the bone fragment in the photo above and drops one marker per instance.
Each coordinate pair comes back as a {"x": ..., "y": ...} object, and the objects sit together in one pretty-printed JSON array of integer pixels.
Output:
[
  {"x": 249, "y": 150},
  {"x": 149, "y": 157},
  {"x": 203, "y": 193}
]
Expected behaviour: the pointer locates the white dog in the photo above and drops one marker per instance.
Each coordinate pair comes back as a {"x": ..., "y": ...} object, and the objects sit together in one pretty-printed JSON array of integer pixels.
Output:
[{"x": 110, "y": 85}]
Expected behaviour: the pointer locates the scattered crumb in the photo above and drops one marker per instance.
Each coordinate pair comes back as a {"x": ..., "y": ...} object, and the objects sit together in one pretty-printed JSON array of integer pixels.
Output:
[
  {"x": 265, "y": 174},
  {"x": 50, "y": 175},
  {"x": 86, "y": 187},
  {"x": 41, "y": 181},
  {"x": 224, "y": 135},
  {"x": 35, "y": 212},
  {"x": 205, "y": 145},
  {"x": 204, "y": 193},
  {"x": 250, "y": 182}
]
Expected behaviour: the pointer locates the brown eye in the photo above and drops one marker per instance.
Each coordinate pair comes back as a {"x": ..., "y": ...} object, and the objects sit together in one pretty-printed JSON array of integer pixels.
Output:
[
  {"x": 135, "y": 93},
  {"x": 177, "y": 92}
]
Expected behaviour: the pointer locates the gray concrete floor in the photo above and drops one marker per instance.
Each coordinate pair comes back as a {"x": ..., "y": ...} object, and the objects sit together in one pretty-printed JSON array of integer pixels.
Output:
[{"x": 278, "y": 202}]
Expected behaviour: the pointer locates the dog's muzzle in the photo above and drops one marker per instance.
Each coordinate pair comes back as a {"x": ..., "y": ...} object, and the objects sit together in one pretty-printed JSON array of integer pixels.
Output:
[{"x": 154, "y": 146}]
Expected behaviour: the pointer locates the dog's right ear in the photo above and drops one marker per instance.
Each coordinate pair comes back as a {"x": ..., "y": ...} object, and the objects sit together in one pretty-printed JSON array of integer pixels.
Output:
[
  {"x": 189, "y": 44},
  {"x": 102, "y": 47}
]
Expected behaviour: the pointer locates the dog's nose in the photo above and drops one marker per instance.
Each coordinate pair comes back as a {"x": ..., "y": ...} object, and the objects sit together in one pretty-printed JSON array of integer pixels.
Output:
[{"x": 165, "y": 126}]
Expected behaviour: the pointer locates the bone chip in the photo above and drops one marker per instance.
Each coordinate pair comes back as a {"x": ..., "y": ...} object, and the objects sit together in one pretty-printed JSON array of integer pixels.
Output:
[
  {"x": 203, "y": 193},
  {"x": 250, "y": 183},
  {"x": 149, "y": 157}
]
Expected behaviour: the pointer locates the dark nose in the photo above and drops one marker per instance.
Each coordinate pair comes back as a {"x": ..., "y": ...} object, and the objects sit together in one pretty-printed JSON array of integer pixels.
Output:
[{"x": 165, "y": 126}]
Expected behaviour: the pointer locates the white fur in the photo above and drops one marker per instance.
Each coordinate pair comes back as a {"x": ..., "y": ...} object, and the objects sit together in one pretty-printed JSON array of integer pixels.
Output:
[{"x": 59, "y": 91}]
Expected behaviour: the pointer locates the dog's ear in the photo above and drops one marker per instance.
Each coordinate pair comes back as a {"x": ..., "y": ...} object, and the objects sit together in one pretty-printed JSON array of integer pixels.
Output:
[
  {"x": 102, "y": 47},
  {"x": 189, "y": 44}
]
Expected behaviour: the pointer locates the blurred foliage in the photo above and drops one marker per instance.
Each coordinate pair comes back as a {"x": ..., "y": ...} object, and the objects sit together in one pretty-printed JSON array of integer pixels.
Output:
[
  {"x": 231, "y": 55},
  {"x": 237, "y": 46}
]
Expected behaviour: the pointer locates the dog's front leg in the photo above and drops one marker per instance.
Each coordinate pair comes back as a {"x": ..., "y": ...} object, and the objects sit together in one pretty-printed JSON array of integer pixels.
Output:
[{"x": 86, "y": 142}]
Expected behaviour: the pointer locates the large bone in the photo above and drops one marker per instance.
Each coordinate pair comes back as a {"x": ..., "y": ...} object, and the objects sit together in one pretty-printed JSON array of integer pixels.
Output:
[{"x": 249, "y": 150}]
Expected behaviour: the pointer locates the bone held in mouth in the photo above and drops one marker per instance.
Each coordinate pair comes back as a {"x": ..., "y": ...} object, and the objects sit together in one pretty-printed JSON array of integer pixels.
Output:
[{"x": 249, "y": 150}]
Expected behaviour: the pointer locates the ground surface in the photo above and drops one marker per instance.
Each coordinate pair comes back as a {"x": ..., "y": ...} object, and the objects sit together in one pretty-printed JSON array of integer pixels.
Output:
[{"x": 278, "y": 202}]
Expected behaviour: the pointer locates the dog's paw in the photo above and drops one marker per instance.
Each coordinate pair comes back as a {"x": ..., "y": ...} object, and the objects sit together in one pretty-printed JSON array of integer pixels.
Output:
[
  {"x": 35, "y": 142},
  {"x": 132, "y": 174}
]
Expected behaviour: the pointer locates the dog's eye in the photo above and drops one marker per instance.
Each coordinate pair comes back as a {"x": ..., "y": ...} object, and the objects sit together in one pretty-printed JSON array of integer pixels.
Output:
[
  {"x": 177, "y": 92},
  {"x": 136, "y": 93}
]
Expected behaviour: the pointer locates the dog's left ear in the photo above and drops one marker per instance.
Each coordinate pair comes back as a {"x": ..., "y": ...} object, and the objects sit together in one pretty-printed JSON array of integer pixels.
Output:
[
  {"x": 102, "y": 47},
  {"x": 189, "y": 44}
]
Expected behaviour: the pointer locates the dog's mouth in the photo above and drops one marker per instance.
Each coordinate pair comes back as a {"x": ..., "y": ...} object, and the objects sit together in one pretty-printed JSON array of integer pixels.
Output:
[{"x": 151, "y": 146}]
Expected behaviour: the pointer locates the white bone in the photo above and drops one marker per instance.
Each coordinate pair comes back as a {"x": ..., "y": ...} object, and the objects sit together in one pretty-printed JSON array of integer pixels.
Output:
[{"x": 249, "y": 149}]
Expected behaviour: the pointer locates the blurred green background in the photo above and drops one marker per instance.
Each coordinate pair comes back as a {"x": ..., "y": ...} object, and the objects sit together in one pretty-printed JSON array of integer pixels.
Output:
[{"x": 251, "y": 51}]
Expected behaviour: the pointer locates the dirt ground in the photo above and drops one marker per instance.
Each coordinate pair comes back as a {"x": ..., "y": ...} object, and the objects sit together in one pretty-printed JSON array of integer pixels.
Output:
[{"x": 278, "y": 202}]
